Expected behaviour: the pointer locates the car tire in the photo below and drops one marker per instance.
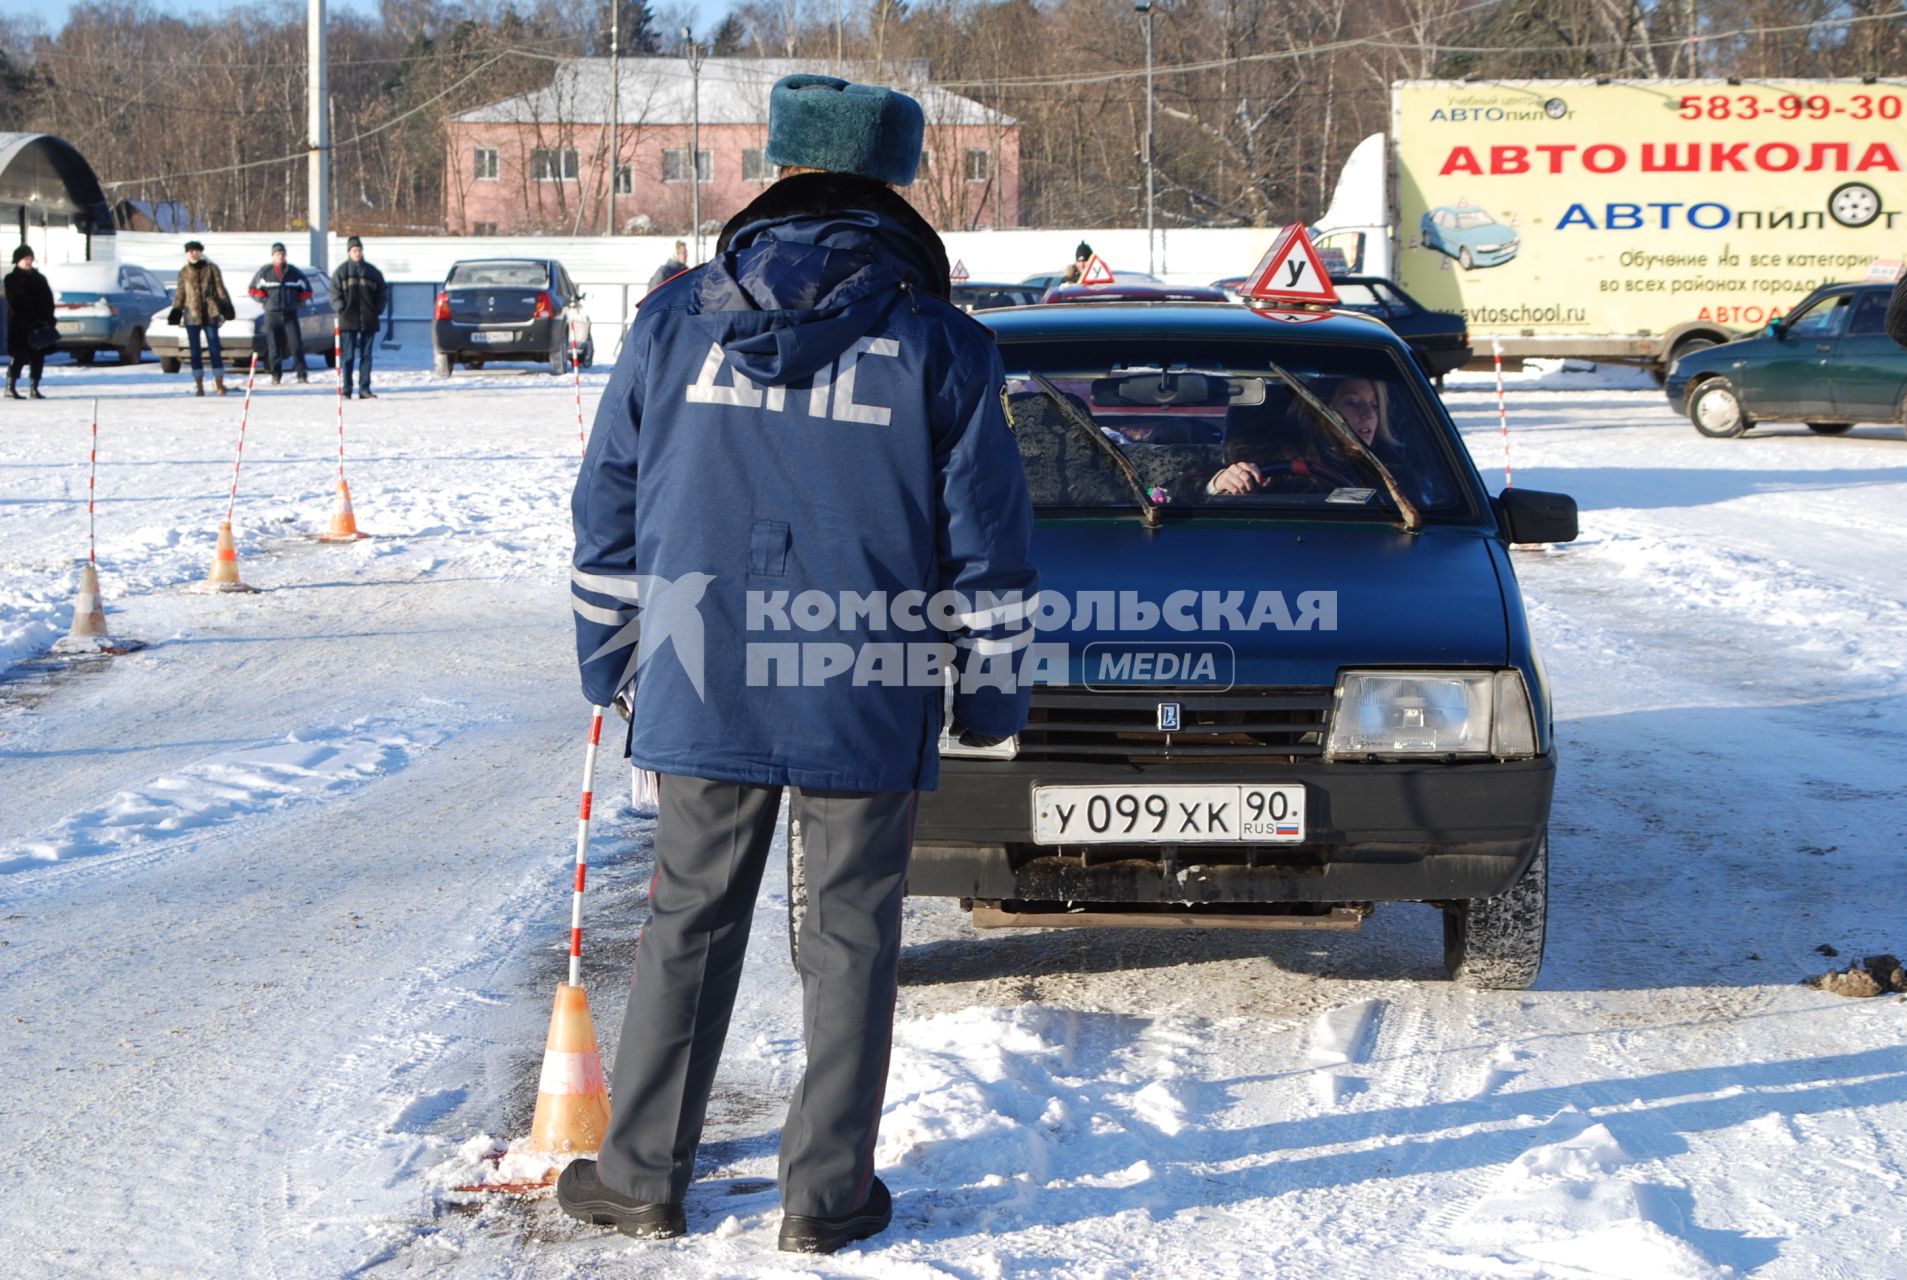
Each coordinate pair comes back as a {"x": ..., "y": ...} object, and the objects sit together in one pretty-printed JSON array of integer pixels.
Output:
[
  {"x": 1830, "y": 428},
  {"x": 559, "y": 361},
  {"x": 1496, "y": 943},
  {"x": 331, "y": 358},
  {"x": 169, "y": 364},
  {"x": 440, "y": 364},
  {"x": 797, "y": 889},
  {"x": 85, "y": 355},
  {"x": 134, "y": 348},
  {"x": 588, "y": 357},
  {"x": 1715, "y": 410},
  {"x": 1464, "y": 259}
]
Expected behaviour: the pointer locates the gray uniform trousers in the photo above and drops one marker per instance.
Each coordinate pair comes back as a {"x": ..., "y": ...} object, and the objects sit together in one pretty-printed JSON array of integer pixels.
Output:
[{"x": 712, "y": 840}]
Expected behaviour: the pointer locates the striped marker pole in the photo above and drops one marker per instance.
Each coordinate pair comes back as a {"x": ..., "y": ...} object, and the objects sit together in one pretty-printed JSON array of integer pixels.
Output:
[
  {"x": 1502, "y": 413},
  {"x": 576, "y": 368},
  {"x": 244, "y": 417},
  {"x": 92, "y": 476},
  {"x": 337, "y": 362},
  {"x": 582, "y": 850}
]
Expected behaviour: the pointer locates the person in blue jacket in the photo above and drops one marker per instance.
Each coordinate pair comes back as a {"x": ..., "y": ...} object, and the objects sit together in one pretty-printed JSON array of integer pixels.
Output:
[{"x": 801, "y": 514}]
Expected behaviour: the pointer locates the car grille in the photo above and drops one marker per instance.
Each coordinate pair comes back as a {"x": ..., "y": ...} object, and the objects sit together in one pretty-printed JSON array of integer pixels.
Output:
[{"x": 1241, "y": 724}]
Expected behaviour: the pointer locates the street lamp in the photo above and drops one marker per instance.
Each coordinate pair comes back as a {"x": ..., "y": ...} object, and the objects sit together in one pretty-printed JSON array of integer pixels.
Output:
[
  {"x": 1145, "y": 7},
  {"x": 693, "y": 52}
]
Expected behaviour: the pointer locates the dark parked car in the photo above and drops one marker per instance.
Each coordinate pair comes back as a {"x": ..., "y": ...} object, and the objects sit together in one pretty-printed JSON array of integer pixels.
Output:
[
  {"x": 1439, "y": 339},
  {"x": 1125, "y": 288},
  {"x": 1269, "y": 705},
  {"x": 1828, "y": 363},
  {"x": 105, "y": 306},
  {"x": 991, "y": 295},
  {"x": 509, "y": 309}
]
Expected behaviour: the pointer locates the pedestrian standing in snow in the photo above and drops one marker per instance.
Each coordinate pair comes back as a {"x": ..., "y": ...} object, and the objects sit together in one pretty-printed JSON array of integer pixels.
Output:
[
  {"x": 1081, "y": 256},
  {"x": 673, "y": 267},
  {"x": 201, "y": 304},
  {"x": 282, "y": 289},
  {"x": 357, "y": 290},
  {"x": 854, "y": 442},
  {"x": 31, "y": 332}
]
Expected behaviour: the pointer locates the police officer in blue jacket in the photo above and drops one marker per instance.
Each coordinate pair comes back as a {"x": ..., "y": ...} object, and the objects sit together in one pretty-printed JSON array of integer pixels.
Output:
[{"x": 800, "y": 509}]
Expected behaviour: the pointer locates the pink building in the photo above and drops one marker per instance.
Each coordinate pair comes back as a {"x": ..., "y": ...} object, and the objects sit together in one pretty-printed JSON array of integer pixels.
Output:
[{"x": 540, "y": 162}]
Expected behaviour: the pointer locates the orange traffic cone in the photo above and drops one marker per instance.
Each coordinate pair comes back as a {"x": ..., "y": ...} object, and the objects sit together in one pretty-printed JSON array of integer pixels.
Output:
[
  {"x": 89, "y": 616},
  {"x": 344, "y": 524},
  {"x": 572, "y": 1099},
  {"x": 224, "y": 576}
]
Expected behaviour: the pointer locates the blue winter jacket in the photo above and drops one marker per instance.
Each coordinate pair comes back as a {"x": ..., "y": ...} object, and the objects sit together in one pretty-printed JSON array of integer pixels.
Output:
[{"x": 801, "y": 422}]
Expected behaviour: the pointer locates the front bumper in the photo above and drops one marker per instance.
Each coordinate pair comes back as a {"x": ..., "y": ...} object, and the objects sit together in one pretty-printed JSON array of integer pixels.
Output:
[{"x": 1378, "y": 832}]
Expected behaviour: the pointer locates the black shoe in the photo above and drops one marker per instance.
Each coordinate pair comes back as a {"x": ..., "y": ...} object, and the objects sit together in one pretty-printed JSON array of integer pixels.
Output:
[
  {"x": 824, "y": 1235},
  {"x": 583, "y": 1196},
  {"x": 13, "y": 392},
  {"x": 364, "y": 394},
  {"x": 35, "y": 392},
  {"x": 275, "y": 379},
  {"x": 302, "y": 377},
  {"x": 346, "y": 393}
]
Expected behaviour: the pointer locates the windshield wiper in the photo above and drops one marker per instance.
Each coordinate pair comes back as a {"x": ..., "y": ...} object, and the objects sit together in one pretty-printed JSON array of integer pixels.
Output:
[
  {"x": 1148, "y": 509},
  {"x": 1348, "y": 439}
]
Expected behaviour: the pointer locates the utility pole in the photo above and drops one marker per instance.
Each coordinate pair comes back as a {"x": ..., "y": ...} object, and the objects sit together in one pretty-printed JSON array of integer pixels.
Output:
[
  {"x": 1145, "y": 8},
  {"x": 694, "y": 51},
  {"x": 615, "y": 107},
  {"x": 318, "y": 131}
]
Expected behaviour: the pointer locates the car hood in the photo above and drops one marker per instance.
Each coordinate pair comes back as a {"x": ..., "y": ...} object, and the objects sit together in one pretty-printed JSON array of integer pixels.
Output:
[{"x": 1356, "y": 595}]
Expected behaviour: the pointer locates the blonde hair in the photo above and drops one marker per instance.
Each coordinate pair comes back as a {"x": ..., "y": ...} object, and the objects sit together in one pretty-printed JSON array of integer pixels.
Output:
[{"x": 1380, "y": 392}]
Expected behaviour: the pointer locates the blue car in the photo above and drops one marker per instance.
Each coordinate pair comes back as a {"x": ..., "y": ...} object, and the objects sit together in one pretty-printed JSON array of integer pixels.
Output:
[
  {"x": 1468, "y": 234},
  {"x": 1282, "y": 670}
]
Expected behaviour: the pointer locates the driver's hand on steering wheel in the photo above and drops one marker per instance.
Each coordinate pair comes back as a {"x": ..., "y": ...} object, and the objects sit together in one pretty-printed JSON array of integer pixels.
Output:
[{"x": 1239, "y": 478}]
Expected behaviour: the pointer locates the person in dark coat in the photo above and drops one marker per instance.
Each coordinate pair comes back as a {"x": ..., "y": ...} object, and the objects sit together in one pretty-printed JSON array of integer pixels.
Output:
[
  {"x": 1081, "y": 256},
  {"x": 29, "y": 311},
  {"x": 358, "y": 292},
  {"x": 201, "y": 304},
  {"x": 282, "y": 289},
  {"x": 673, "y": 267},
  {"x": 805, "y": 416},
  {"x": 1896, "y": 322}
]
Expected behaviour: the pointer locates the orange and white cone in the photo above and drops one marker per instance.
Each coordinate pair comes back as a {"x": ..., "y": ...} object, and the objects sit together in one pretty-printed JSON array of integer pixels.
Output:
[
  {"x": 224, "y": 576},
  {"x": 572, "y": 1098},
  {"x": 89, "y": 616},
  {"x": 344, "y": 523}
]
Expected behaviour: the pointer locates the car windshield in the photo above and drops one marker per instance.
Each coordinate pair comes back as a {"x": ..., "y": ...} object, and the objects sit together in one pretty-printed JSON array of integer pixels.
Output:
[
  {"x": 498, "y": 275},
  {"x": 1468, "y": 218},
  {"x": 1213, "y": 426}
]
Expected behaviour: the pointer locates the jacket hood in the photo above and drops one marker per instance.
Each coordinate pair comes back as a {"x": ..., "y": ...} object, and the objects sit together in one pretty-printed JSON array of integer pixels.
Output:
[{"x": 811, "y": 266}]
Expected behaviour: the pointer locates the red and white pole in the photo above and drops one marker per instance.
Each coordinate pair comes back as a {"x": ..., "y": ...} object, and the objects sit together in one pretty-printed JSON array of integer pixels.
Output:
[
  {"x": 244, "y": 417},
  {"x": 576, "y": 369},
  {"x": 1502, "y": 413},
  {"x": 337, "y": 362},
  {"x": 92, "y": 477},
  {"x": 582, "y": 850}
]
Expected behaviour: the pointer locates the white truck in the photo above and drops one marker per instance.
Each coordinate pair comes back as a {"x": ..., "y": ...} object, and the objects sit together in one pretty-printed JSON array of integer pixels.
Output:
[{"x": 1623, "y": 220}]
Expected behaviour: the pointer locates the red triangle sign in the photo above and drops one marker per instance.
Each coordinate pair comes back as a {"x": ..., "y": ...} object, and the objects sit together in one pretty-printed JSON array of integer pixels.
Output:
[
  {"x": 1096, "y": 272},
  {"x": 1290, "y": 273},
  {"x": 959, "y": 273}
]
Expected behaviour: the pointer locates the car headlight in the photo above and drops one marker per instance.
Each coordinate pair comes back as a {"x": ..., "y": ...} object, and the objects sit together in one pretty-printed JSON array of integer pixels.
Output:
[
  {"x": 1488, "y": 248},
  {"x": 1436, "y": 713}
]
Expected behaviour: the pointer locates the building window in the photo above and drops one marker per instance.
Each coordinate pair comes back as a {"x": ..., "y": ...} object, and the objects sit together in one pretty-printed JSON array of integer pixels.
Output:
[
  {"x": 484, "y": 164},
  {"x": 547, "y": 164},
  {"x": 483, "y": 228},
  {"x": 675, "y": 165},
  {"x": 977, "y": 166},
  {"x": 926, "y": 162},
  {"x": 755, "y": 167},
  {"x": 625, "y": 180}
]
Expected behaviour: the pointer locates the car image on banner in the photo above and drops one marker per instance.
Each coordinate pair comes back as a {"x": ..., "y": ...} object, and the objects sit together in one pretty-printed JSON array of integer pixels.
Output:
[{"x": 1468, "y": 234}]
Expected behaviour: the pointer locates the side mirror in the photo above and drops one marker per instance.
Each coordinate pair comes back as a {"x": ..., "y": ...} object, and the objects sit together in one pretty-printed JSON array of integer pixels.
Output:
[
  {"x": 579, "y": 297},
  {"x": 1774, "y": 329},
  {"x": 1530, "y": 515}
]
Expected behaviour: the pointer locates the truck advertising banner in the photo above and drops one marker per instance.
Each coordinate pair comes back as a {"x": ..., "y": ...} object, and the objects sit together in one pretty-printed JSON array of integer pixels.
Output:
[{"x": 1635, "y": 209}]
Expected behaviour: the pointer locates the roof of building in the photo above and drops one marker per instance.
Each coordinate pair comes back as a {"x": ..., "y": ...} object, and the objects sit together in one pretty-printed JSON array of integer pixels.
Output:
[
  {"x": 661, "y": 91},
  {"x": 48, "y": 175}
]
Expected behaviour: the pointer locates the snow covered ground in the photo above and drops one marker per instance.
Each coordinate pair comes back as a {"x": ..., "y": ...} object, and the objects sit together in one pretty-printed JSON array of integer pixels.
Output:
[{"x": 283, "y": 899}]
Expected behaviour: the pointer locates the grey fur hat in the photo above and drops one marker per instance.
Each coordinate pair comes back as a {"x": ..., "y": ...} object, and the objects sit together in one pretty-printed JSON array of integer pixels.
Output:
[{"x": 820, "y": 122}]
